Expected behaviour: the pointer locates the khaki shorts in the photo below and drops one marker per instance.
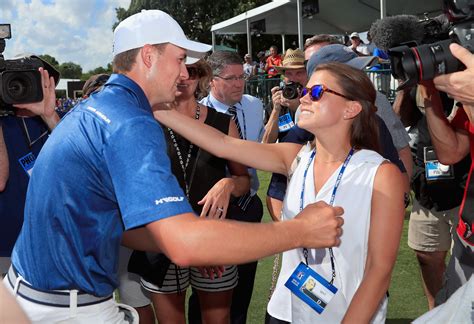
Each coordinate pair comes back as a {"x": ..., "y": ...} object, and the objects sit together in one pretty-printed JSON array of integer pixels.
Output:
[{"x": 431, "y": 231}]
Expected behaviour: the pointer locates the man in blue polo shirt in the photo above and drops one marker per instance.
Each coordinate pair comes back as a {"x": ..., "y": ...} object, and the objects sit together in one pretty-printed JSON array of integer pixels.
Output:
[{"x": 104, "y": 177}]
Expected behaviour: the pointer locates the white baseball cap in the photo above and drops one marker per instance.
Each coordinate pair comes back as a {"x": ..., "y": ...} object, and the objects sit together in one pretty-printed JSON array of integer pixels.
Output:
[
  {"x": 155, "y": 27},
  {"x": 355, "y": 35}
]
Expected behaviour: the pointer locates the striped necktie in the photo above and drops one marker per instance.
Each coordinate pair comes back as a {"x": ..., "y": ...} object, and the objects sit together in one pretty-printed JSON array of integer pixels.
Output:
[
  {"x": 244, "y": 200},
  {"x": 233, "y": 112}
]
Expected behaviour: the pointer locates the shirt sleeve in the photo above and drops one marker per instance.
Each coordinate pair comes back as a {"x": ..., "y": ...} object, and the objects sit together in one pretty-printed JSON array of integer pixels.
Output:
[
  {"x": 145, "y": 188},
  {"x": 392, "y": 121},
  {"x": 461, "y": 120}
]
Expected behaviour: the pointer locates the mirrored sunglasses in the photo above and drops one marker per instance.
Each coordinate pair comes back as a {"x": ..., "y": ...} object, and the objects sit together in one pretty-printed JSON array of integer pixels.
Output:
[{"x": 316, "y": 92}]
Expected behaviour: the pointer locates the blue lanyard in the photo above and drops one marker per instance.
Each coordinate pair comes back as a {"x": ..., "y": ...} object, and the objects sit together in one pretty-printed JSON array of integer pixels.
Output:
[
  {"x": 211, "y": 105},
  {"x": 331, "y": 202}
]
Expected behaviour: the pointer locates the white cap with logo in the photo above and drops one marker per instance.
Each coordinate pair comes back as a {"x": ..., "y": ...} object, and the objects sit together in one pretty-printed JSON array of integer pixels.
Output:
[{"x": 155, "y": 27}]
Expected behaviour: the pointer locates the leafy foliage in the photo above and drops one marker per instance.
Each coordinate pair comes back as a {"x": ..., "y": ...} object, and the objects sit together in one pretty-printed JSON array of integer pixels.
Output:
[
  {"x": 196, "y": 17},
  {"x": 70, "y": 70}
]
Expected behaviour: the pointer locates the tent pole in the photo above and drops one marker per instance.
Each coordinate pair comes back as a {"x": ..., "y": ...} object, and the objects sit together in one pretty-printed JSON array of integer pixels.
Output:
[
  {"x": 283, "y": 44},
  {"x": 300, "y": 24},
  {"x": 383, "y": 9},
  {"x": 249, "y": 39},
  {"x": 213, "y": 41}
]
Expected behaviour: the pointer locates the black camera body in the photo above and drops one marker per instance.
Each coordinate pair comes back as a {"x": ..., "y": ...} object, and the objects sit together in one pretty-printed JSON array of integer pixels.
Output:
[
  {"x": 291, "y": 90},
  {"x": 20, "y": 80},
  {"x": 412, "y": 63}
]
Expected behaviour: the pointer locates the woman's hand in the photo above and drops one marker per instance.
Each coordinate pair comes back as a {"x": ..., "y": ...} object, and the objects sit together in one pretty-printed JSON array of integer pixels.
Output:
[
  {"x": 211, "y": 272},
  {"x": 216, "y": 201}
]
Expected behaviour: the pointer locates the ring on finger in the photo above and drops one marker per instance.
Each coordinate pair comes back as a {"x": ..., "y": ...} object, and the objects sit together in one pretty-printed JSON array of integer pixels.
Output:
[{"x": 220, "y": 209}]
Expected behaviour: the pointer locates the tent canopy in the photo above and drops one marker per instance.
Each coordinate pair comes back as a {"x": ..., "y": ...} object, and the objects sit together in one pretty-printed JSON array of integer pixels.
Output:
[{"x": 334, "y": 17}]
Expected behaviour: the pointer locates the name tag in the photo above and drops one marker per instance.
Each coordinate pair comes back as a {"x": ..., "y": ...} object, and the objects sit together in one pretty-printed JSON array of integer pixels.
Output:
[
  {"x": 27, "y": 162},
  {"x": 434, "y": 170},
  {"x": 310, "y": 287},
  {"x": 285, "y": 123}
]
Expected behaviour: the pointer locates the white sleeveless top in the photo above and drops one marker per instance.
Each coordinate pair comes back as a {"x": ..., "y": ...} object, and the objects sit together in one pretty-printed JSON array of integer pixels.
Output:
[{"x": 354, "y": 194}]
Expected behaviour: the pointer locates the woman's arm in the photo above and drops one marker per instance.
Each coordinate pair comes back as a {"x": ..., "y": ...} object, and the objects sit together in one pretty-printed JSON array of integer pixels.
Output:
[
  {"x": 386, "y": 226},
  {"x": 216, "y": 201},
  {"x": 268, "y": 157},
  {"x": 4, "y": 163}
]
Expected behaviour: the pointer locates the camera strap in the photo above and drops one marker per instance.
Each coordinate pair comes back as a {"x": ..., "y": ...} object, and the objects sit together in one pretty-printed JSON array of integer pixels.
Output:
[{"x": 27, "y": 136}]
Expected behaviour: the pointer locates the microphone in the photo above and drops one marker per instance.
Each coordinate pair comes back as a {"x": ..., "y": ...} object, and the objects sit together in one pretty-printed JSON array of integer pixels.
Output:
[{"x": 392, "y": 31}]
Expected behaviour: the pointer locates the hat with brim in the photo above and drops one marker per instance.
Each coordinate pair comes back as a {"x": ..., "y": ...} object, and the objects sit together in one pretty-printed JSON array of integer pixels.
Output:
[
  {"x": 293, "y": 60},
  {"x": 339, "y": 53},
  {"x": 155, "y": 27}
]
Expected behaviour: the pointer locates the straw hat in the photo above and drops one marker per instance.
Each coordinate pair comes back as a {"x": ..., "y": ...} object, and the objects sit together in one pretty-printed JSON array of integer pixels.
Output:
[{"x": 294, "y": 59}]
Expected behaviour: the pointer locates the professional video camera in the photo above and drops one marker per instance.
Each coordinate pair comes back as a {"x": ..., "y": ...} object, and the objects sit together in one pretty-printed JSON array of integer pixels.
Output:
[
  {"x": 20, "y": 80},
  {"x": 291, "y": 90},
  {"x": 401, "y": 36}
]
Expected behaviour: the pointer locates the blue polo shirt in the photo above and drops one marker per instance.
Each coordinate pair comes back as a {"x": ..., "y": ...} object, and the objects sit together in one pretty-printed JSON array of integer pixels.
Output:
[{"x": 103, "y": 170}]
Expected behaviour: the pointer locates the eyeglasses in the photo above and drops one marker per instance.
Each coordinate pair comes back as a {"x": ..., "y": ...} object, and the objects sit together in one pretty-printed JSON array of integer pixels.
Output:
[
  {"x": 316, "y": 92},
  {"x": 231, "y": 78},
  {"x": 194, "y": 72}
]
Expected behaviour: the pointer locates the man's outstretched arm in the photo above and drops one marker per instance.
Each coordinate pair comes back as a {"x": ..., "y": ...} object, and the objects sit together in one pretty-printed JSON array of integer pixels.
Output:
[{"x": 189, "y": 240}]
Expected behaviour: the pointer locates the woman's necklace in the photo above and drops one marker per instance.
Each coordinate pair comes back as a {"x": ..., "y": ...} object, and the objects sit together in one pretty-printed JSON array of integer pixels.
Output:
[{"x": 182, "y": 163}]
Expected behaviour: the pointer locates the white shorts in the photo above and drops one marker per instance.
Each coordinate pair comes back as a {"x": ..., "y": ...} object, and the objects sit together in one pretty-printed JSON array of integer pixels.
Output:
[
  {"x": 130, "y": 290},
  {"x": 177, "y": 279},
  {"x": 107, "y": 311}
]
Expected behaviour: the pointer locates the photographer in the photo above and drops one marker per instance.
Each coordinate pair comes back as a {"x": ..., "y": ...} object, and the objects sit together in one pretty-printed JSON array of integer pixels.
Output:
[
  {"x": 285, "y": 99},
  {"x": 453, "y": 141},
  {"x": 21, "y": 138}
]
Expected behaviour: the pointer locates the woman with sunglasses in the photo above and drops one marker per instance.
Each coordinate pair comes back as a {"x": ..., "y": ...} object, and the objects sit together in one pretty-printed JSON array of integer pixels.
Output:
[
  {"x": 341, "y": 167},
  {"x": 203, "y": 179}
]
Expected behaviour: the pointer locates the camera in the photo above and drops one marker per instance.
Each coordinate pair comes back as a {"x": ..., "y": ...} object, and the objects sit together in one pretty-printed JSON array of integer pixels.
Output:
[
  {"x": 291, "y": 90},
  {"x": 20, "y": 80},
  {"x": 412, "y": 63}
]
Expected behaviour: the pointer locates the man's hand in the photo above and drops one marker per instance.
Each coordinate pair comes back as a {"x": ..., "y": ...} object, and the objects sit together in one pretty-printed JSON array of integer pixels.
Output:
[
  {"x": 276, "y": 98},
  {"x": 46, "y": 107},
  {"x": 321, "y": 225},
  {"x": 459, "y": 85}
]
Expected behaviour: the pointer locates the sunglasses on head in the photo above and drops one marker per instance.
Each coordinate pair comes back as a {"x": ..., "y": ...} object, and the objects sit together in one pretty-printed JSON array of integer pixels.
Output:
[
  {"x": 194, "y": 72},
  {"x": 316, "y": 92}
]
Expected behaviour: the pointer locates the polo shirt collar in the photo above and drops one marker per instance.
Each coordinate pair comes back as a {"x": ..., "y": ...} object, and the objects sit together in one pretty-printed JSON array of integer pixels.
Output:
[{"x": 127, "y": 83}]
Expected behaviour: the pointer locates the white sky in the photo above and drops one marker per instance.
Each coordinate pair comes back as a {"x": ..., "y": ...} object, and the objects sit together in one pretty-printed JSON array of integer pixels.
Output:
[{"x": 78, "y": 31}]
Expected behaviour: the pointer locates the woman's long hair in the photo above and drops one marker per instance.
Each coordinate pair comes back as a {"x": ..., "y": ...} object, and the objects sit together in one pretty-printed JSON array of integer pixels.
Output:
[{"x": 356, "y": 85}]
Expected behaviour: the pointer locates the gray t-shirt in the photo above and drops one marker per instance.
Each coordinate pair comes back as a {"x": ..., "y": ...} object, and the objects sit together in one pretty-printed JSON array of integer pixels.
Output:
[{"x": 397, "y": 130}]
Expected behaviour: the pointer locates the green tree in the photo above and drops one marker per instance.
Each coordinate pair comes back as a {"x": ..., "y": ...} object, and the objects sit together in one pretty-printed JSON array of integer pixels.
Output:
[
  {"x": 50, "y": 59},
  {"x": 99, "y": 70},
  {"x": 70, "y": 70},
  {"x": 195, "y": 16}
]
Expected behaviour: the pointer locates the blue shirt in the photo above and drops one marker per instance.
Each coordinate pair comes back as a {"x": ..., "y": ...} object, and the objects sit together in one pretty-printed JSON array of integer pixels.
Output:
[
  {"x": 250, "y": 115},
  {"x": 103, "y": 170},
  {"x": 24, "y": 138}
]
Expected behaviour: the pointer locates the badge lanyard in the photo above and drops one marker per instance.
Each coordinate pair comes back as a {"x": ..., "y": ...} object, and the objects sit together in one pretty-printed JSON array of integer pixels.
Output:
[
  {"x": 331, "y": 202},
  {"x": 28, "y": 140},
  {"x": 211, "y": 105}
]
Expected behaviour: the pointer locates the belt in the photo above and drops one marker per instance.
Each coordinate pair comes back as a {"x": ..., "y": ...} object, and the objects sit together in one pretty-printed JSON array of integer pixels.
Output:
[{"x": 56, "y": 298}]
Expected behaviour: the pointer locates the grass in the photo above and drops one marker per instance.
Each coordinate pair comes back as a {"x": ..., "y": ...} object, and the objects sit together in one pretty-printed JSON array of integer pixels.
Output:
[{"x": 406, "y": 301}]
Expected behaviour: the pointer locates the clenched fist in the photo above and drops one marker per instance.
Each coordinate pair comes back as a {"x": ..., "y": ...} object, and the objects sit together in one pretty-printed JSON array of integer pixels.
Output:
[{"x": 321, "y": 225}]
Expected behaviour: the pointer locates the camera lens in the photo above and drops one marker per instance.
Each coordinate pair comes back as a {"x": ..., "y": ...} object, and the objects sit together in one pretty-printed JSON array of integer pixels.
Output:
[
  {"x": 19, "y": 87},
  {"x": 414, "y": 64},
  {"x": 434, "y": 59},
  {"x": 290, "y": 93}
]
